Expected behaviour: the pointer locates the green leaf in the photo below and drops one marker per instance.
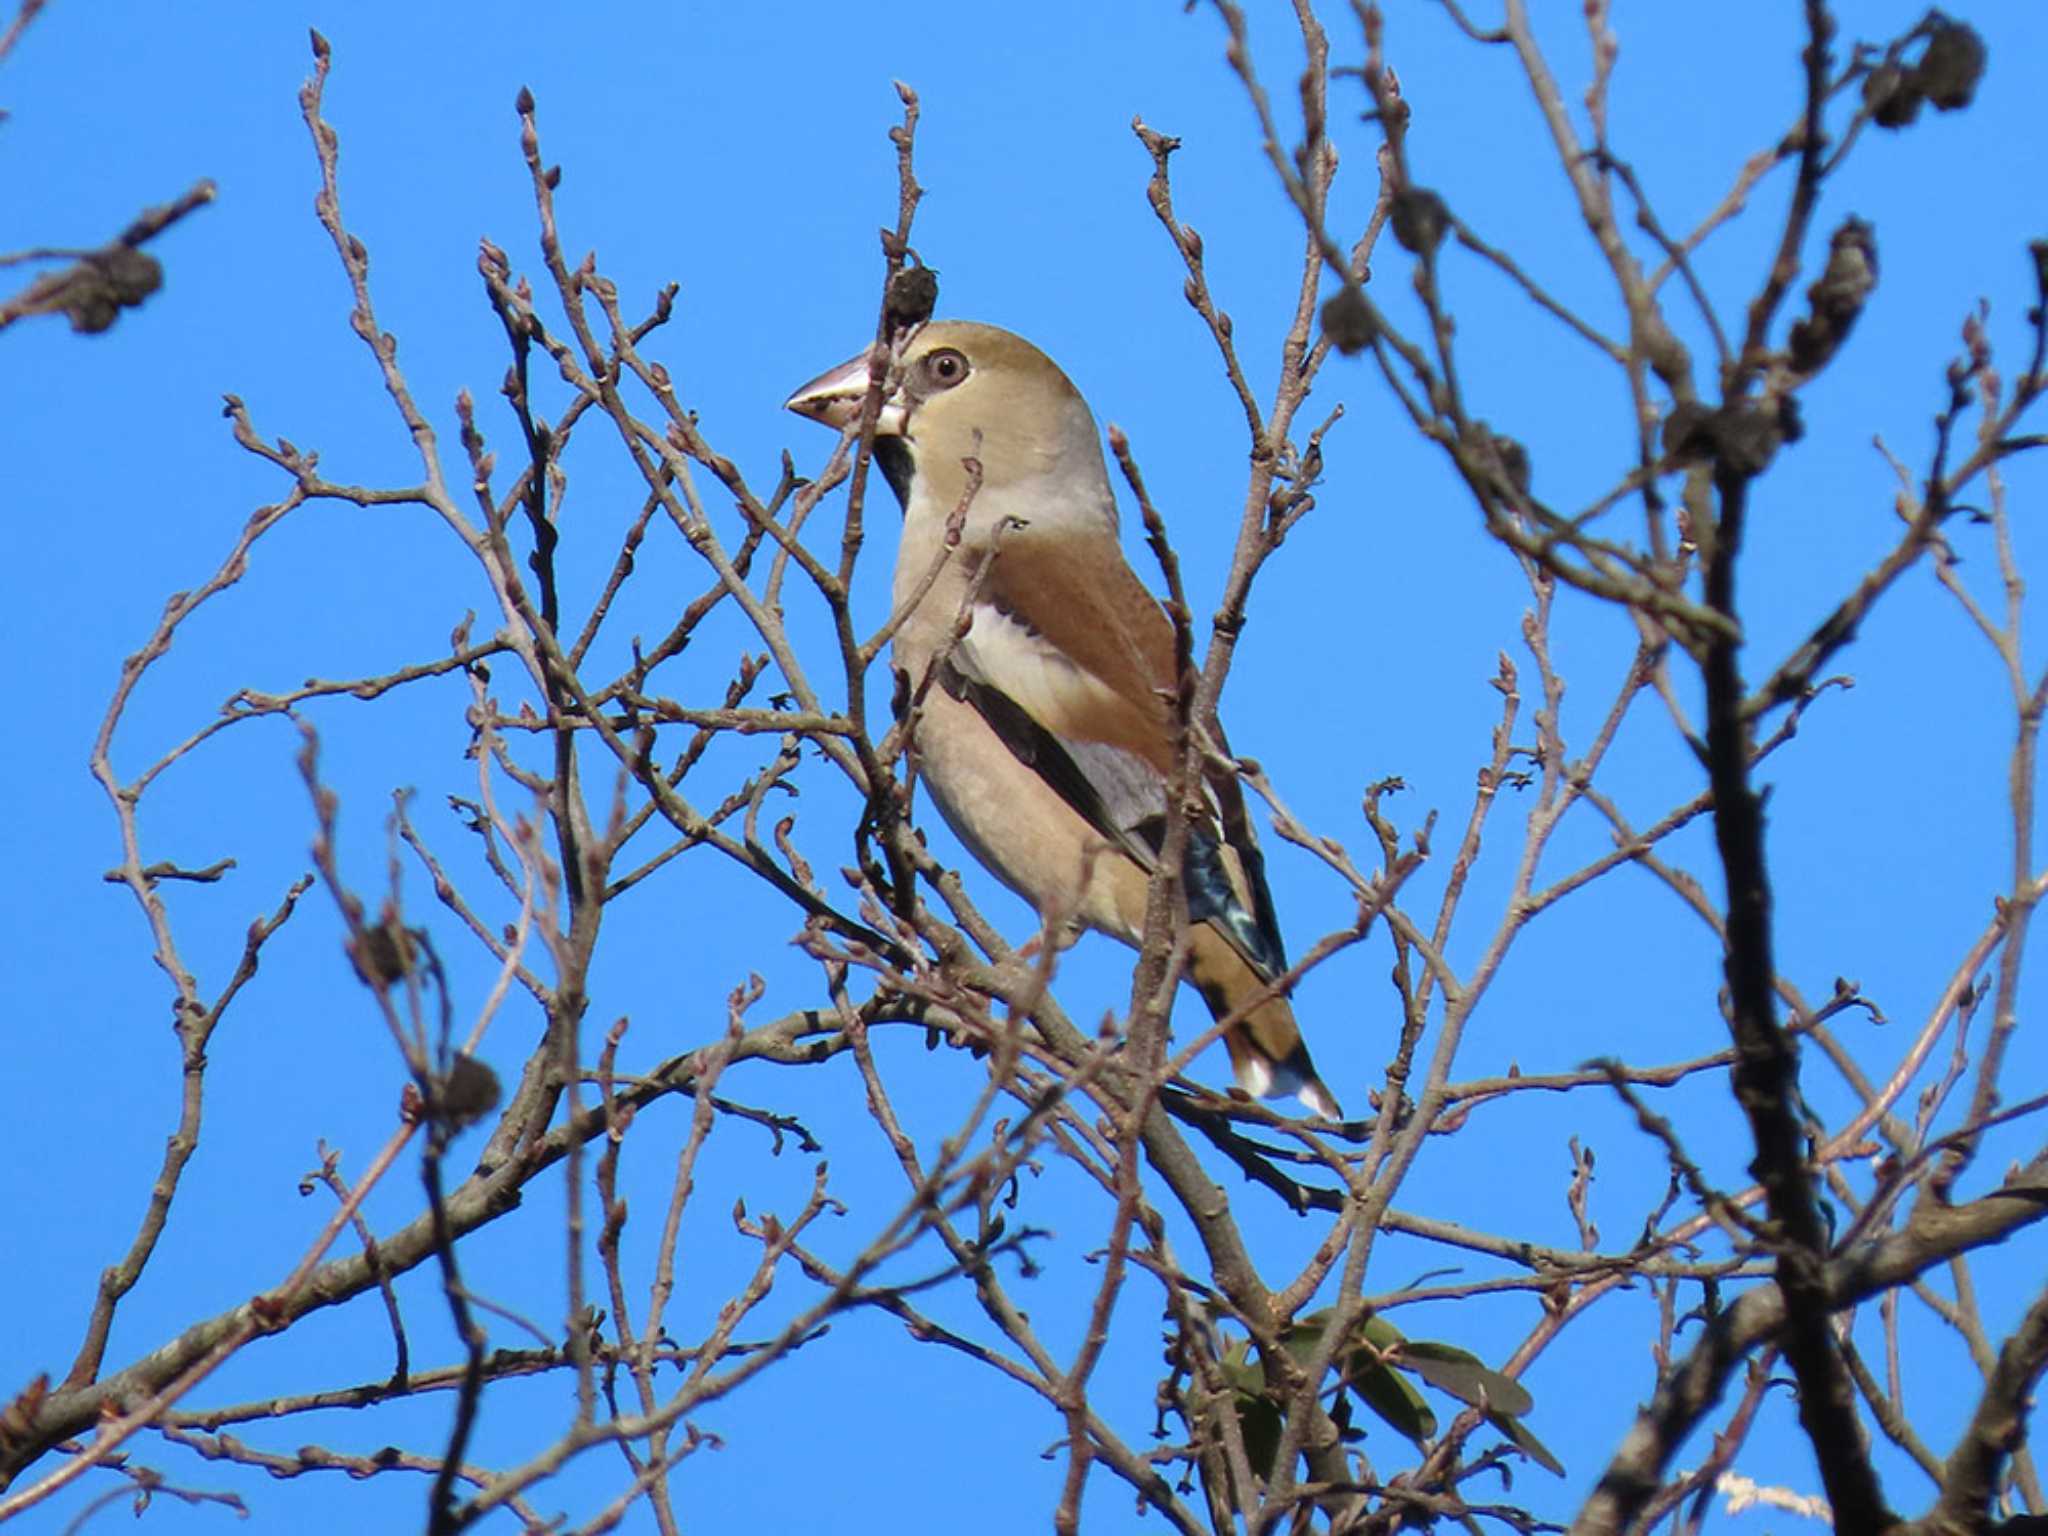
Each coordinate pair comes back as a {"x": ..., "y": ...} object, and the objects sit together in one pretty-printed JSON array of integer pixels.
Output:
[
  {"x": 1465, "y": 1376},
  {"x": 1374, "y": 1370},
  {"x": 1238, "y": 1370},
  {"x": 1259, "y": 1418},
  {"x": 1367, "y": 1374},
  {"x": 1526, "y": 1443},
  {"x": 1381, "y": 1334},
  {"x": 1389, "y": 1394},
  {"x": 1260, "y": 1421}
]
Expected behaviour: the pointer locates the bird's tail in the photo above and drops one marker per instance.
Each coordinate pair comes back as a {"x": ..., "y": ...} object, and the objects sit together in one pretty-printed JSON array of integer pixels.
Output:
[{"x": 1266, "y": 1049}]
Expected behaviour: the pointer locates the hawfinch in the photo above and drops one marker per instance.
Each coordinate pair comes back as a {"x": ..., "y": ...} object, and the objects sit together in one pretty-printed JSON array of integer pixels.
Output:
[{"x": 1046, "y": 730}]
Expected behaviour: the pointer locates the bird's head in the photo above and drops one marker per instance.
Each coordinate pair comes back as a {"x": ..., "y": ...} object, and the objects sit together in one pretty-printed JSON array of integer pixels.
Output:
[{"x": 972, "y": 391}]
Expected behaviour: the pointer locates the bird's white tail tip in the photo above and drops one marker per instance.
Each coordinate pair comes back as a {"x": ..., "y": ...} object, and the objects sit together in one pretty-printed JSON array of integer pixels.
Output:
[
  {"x": 1266, "y": 1079},
  {"x": 1320, "y": 1099}
]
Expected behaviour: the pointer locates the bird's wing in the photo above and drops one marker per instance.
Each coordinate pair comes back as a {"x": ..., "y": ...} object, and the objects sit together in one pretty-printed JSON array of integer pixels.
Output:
[{"x": 1070, "y": 662}]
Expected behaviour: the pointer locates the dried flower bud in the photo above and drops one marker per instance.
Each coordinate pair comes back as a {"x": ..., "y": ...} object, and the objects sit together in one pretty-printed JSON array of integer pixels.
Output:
[
  {"x": 1347, "y": 321},
  {"x": 1686, "y": 438},
  {"x": 1892, "y": 95},
  {"x": 1952, "y": 66},
  {"x": 1419, "y": 218},
  {"x": 468, "y": 1093},
  {"x": 95, "y": 290},
  {"x": 1791, "y": 425},
  {"x": 1747, "y": 436},
  {"x": 91, "y": 310},
  {"x": 383, "y": 955},
  {"x": 913, "y": 295},
  {"x": 131, "y": 275},
  {"x": 1514, "y": 462},
  {"x": 1509, "y": 456},
  {"x": 1836, "y": 297}
]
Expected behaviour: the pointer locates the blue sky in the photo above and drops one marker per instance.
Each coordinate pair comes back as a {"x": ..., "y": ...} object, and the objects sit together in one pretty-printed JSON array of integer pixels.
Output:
[{"x": 741, "y": 153}]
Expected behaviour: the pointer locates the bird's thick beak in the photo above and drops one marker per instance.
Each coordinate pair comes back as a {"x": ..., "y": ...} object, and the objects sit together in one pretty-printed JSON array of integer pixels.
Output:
[{"x": 835, "y": 397}]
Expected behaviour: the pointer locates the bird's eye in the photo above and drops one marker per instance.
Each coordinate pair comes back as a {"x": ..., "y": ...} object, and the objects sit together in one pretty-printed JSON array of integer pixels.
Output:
[{"x": 945, "y": 368}]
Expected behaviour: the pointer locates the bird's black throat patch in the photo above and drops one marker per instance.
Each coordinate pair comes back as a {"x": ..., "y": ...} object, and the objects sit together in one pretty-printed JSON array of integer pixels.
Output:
[{"x": 898, "y": 464}]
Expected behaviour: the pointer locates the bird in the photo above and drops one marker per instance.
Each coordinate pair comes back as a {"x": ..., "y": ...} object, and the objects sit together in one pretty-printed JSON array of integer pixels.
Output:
[{"x": 1045, "y": 735}]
